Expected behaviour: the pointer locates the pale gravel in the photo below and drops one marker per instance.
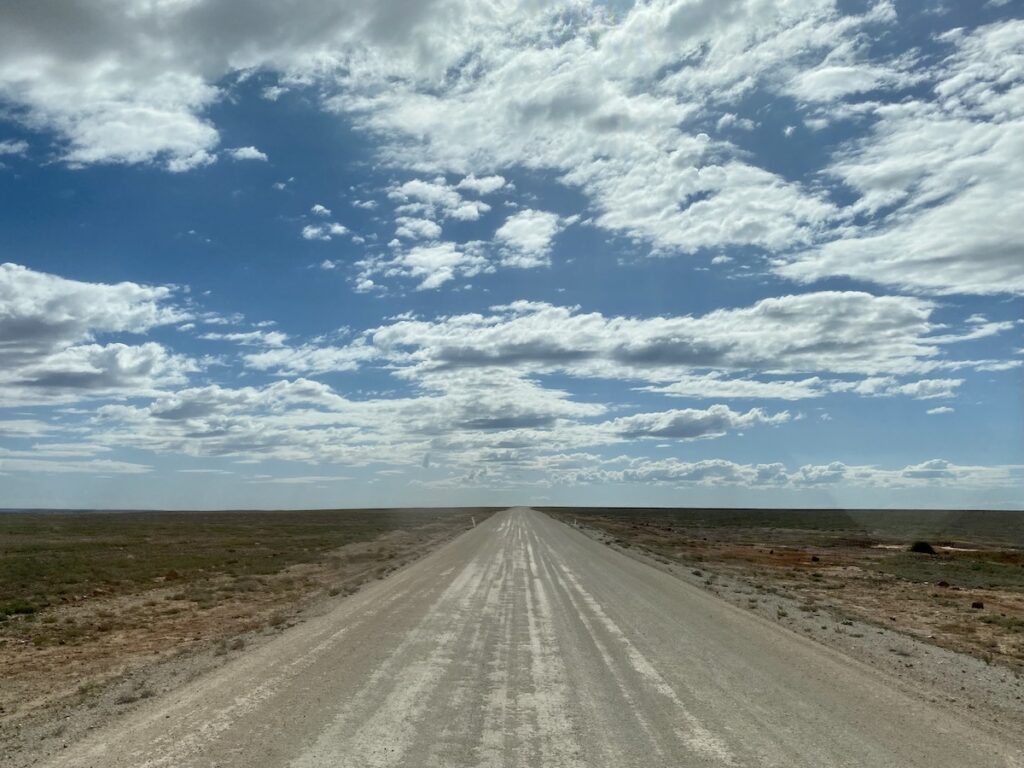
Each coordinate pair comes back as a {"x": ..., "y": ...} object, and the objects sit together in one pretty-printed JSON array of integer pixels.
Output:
[{"x": 526, "y": 643}]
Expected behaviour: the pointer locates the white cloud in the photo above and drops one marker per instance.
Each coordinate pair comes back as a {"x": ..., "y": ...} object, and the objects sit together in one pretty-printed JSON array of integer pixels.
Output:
[
  {"x": 247, "y": 153},
  {"x": 716, "y": 385},
  {"x": 306, "y": 359},
  {"x": 613, "y": 105},
  {"x": 692, "y": 423},
  {"x": 323, "y": 231},
  {"x": 23, "y": 428},
  {"x": 114, "y": 95},
  {"x": 301, "y": 479},
  {"x": 436, "y": 198},
  {"x": 844, "y": 72},
  {"x": 417, "y": 229},
  {"x": 940, "y": 410},
  {"x": 482, "y": 186},
  {"x": 526, "y": 237},
  {"x": 88, "y": 467},
  {"x": 250, "y": 338},
  {"x": 722, "y": 472},
  {"x": 131, "y": 81},
  {"x": 854, "y": 333},
  {"x": 939, "y": 180},
  {"x": 433, "y": 265},
  {"x": 462, "y": 418},
  {"x": 887, "y": 386},
  {"x": 13, "y": 147},
  {"x": 49, "y": 326},
  {"x": 610, "y": 103},
  {"x": 730, "y": 120},
  {"x": 320, "y": 210}
]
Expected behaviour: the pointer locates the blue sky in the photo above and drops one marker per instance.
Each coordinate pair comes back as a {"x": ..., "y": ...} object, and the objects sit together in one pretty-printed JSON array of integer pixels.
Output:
[{"x": 683, "y": 252}]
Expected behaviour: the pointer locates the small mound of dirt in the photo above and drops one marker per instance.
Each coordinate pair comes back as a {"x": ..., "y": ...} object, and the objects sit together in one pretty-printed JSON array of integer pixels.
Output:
[{"x": 922, "y": 547}]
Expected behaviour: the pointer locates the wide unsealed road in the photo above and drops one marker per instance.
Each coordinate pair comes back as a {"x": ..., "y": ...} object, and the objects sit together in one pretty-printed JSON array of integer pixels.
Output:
[{"x": 525, "y": 643}]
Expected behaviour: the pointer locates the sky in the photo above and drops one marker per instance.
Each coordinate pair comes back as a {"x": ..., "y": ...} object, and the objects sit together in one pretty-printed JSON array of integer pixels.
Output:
[{"x": 438, "y": 252}]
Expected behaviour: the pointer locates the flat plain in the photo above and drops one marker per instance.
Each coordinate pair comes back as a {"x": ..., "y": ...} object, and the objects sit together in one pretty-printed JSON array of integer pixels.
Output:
[
  {"x": 101, "y": 610},
  {"x": 580, "y": 637},
  {"x": 526, "y": 642},
  {"x": 968, "y": 596}
]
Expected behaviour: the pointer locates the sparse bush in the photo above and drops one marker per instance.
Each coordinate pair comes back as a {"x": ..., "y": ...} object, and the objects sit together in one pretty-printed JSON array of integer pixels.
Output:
[
  {"x": 1012, "y": 623},
  {"x": 18, "y": 607}
]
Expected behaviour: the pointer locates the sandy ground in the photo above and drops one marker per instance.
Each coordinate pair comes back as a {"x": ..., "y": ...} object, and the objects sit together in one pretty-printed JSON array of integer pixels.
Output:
[
  {"x": 51, "y": 696},
  {"x": 959, "y": 680},
  {"x": 525, "y": 642}
]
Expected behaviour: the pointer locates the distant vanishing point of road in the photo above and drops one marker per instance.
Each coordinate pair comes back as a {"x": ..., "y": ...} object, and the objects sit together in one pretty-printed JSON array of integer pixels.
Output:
[{"x": 525, "y": 643}]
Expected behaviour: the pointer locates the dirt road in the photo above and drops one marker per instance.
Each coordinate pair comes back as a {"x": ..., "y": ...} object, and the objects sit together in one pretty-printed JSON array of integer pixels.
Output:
[{"x": 525, "y": 643}]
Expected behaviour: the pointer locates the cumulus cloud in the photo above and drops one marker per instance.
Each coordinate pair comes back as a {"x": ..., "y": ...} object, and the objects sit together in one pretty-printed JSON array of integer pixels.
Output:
[
  {"x": 611, "y": 104},
  {"x": 722, "y": 472},
  {"x": 50, "y": 326},
  {"x": 485, "y": 185},
  {"x": 436, "y": 198},
  {"x": 320, "y": 210},
  {"x": 417, "y": 229},
  {"x": 938, "y": 179},
  {"x": 853, "y": 332},
  {"x": 692, "y": 423},
  {"x": 247, "y": 153},
  {"x": 432, "y": 265},
  {"x": 887, "y": 386},
  {"x": 474, "y": 395},
  {"x": 731, "y": 120},
  {"x": 115, "y": 95},
  {"x": 323, "y": 231},
  {"x": 258, "y": 338},
  {"x": 715, "y": 384},
  {"x": 526, "y": 237},
  {"x": 13, "y": 147},
  {"x": 302, "y": 420},
  {"x": 307, "y": 359},
  {"x": 933, "y": 469}
]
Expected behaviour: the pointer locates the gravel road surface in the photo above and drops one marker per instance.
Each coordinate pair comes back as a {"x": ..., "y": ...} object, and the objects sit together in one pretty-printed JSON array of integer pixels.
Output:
[{"x": 525, "y": 643}]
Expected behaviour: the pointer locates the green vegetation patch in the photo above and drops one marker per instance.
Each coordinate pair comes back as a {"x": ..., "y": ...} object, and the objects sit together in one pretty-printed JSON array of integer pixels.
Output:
[
  {"x": 974, "y": 569},
  {"x": 1012, "y": 623},
  {"x": 47, "y": 557}
]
